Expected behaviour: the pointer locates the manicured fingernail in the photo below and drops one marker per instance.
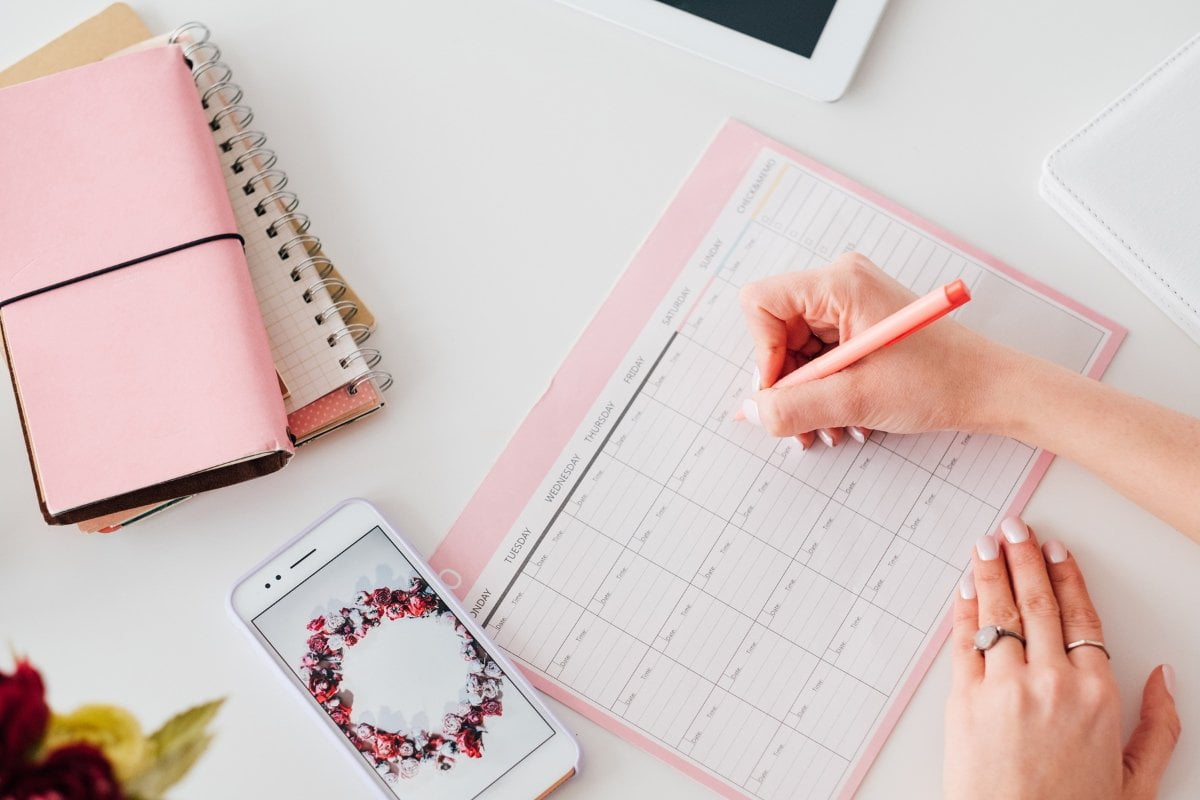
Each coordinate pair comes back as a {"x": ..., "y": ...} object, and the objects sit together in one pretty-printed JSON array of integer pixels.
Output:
[
  {"x": 856, "y": 433},
  {"x": 966, "y": 586},
  {"x": 1169, "y": 678},
  {"x": 987, "y": 547},
  {"x": 1014, "y": 530},
  {"x": 825, "y": 437},
  {"x": 750, "y": 409},
  {"x": 1055, "y": 551},
  {"x": 803, "y": 444},
  {"x": 756, "y": 381}
]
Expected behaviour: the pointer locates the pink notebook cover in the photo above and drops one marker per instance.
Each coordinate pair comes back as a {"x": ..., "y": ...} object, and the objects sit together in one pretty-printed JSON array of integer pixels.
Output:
[
  {"x": 154, "y": 372},
  {"x": 531, "y": 453}
]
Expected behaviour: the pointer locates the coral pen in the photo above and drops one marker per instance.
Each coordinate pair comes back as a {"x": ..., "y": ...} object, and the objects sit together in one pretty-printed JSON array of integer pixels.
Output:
[{"x": 887, "y": 331}]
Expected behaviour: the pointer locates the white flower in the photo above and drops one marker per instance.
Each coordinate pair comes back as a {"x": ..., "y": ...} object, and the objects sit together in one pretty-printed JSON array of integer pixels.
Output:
[
  {"x": 451, "y": 724},
  {"x": 474, "y": 697},
  {"x": 491, "y": 689},
  {"x": 463, "y": 709},
  {"x": 335, "y": 620},
  {"x": 363, "y": 731},
  {"x": 409, "y": 768},
  {"x": 384, "y": 769},
  {"x": 474, "y": 665},
  {"x": 336, "y": 642},
  {"x": 492, "y": 670},
  {"x": 356, "y": 619},
  {"x": 391, "y": 777},
  {"x": 406, "y": 749}
]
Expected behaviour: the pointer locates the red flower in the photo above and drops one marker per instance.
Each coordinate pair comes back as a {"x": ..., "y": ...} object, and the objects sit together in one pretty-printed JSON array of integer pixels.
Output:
[
  {"x": 75, "y": 772},
  {"x": 316, "y": 624},
  {"x": 474, "y": 717},
  {"x": 382, "y": 597},
  {"x": 491, "y": 708},
  {"x": 23, "y": 716},
  {"x": 385, "y": 747},
  {"x": 419, "y": 604},
  {"x": 469, "y": 743},
  {"x": 321, "y": 690},
  {"x": 318, "y": 644},
  {"x": 394, "y": 611}
]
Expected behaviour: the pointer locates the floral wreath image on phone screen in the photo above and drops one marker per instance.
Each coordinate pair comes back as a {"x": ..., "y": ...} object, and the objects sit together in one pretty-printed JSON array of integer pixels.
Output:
[
  {"x": 393, "y": 752},
  {"x": 407, "y": 684}
]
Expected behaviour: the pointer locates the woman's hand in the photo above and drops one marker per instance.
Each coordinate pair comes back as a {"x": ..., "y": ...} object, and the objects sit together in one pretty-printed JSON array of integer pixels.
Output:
[
  {"x": 940, "y": 378},
  {"x": 1037, "y": 721}
]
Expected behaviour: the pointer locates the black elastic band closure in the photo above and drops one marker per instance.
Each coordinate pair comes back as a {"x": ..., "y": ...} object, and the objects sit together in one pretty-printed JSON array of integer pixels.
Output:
[{"x": 123, "y": 265}]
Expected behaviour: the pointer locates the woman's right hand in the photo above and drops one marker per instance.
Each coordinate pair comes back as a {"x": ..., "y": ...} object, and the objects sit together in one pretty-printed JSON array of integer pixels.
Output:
[{"x": 944, "y": 377}]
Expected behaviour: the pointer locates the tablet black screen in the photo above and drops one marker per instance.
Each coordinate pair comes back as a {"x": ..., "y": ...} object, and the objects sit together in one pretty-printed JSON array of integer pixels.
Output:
[{"x": 794, "y": 25}]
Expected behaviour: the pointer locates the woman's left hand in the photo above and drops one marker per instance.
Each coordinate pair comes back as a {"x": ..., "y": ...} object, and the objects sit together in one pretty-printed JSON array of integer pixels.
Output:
[{"x": 1037, "y": 721}]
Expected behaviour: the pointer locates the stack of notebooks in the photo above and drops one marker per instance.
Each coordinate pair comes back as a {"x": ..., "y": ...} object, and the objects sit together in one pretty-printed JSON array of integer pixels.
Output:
[{"x": 154, "y": 255}]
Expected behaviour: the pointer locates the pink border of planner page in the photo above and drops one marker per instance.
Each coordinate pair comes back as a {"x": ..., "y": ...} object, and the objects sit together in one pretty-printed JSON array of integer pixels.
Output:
[{"x": 530, "y": 454}]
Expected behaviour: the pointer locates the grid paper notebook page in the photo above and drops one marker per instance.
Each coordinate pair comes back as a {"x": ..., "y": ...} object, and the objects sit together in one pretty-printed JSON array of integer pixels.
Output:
[
  {"x": 753, "y": 613},
  {"x": 309, "y": 367}
]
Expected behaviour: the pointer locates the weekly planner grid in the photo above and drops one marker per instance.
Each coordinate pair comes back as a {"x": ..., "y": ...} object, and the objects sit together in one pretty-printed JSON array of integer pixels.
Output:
[{"x": 754, "y": 613}]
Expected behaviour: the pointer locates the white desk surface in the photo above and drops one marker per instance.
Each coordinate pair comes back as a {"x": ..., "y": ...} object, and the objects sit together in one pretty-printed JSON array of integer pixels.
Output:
[{"x": 482, "y": 172}]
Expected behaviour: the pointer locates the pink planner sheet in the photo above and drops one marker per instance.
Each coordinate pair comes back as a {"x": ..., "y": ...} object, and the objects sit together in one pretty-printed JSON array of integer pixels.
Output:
[{"x": 753, "y": 614}]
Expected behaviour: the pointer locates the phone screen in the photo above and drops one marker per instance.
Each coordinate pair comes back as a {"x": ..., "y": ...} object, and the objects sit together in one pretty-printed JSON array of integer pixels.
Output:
[{"x": 415, "y": 693}]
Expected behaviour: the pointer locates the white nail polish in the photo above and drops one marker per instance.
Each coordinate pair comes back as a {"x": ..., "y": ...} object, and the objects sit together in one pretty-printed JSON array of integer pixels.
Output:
[
  {"x": 756, "y": 381},
  {"x": 750, "y": 409},
  {"x": 856, "y": 433},
  {"x": 824, "y": 436},
  {"x": 987, "y": 548},
  {"x": 966, "y": 586},
  {"x": 1055, "y": 552},
  {"x": 1169, "y": 678},
  {"x": 1014, "y": 530}
]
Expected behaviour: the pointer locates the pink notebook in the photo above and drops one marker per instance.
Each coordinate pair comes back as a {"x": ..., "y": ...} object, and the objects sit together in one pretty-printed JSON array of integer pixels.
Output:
[{"x": 139, "y": 359}]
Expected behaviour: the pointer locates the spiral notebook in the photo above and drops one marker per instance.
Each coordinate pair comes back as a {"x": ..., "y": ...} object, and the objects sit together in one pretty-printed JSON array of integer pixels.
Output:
[{"x": 317, "y": 324}]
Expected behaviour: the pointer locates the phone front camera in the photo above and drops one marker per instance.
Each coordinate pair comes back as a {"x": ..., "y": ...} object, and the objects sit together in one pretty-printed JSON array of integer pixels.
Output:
[
  {"x": 278, "y": 578},
  {"x": 268, "y": 586}
]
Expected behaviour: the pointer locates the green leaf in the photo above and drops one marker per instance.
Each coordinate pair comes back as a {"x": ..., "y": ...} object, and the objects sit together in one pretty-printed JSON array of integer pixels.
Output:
[{"x": 175, "y": 748}]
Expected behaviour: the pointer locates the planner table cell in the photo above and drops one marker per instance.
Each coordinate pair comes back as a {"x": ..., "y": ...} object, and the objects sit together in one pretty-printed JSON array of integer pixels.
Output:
[
  {"x": 835, "y": 709},
  {"x": 677, "y": 534}
]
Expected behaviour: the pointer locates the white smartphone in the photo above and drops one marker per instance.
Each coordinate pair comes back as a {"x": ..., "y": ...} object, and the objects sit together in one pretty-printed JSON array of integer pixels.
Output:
[{"x": 396, "y": 670}]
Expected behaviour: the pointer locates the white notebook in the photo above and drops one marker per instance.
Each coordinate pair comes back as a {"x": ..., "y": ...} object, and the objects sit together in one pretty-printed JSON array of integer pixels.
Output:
[
  {"x": 315, "y": 329},
  {"x": 1129, "y": 181}
]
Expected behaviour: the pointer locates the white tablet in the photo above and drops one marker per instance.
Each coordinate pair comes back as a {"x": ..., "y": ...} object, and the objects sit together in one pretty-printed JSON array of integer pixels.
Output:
[{"x": 809, "y": 46}]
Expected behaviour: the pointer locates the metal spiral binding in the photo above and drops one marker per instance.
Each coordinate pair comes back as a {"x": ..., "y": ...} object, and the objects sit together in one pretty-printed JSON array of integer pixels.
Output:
[
  {"x": 335, "y": 288},
  {"x": 222, "y": 99}
]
